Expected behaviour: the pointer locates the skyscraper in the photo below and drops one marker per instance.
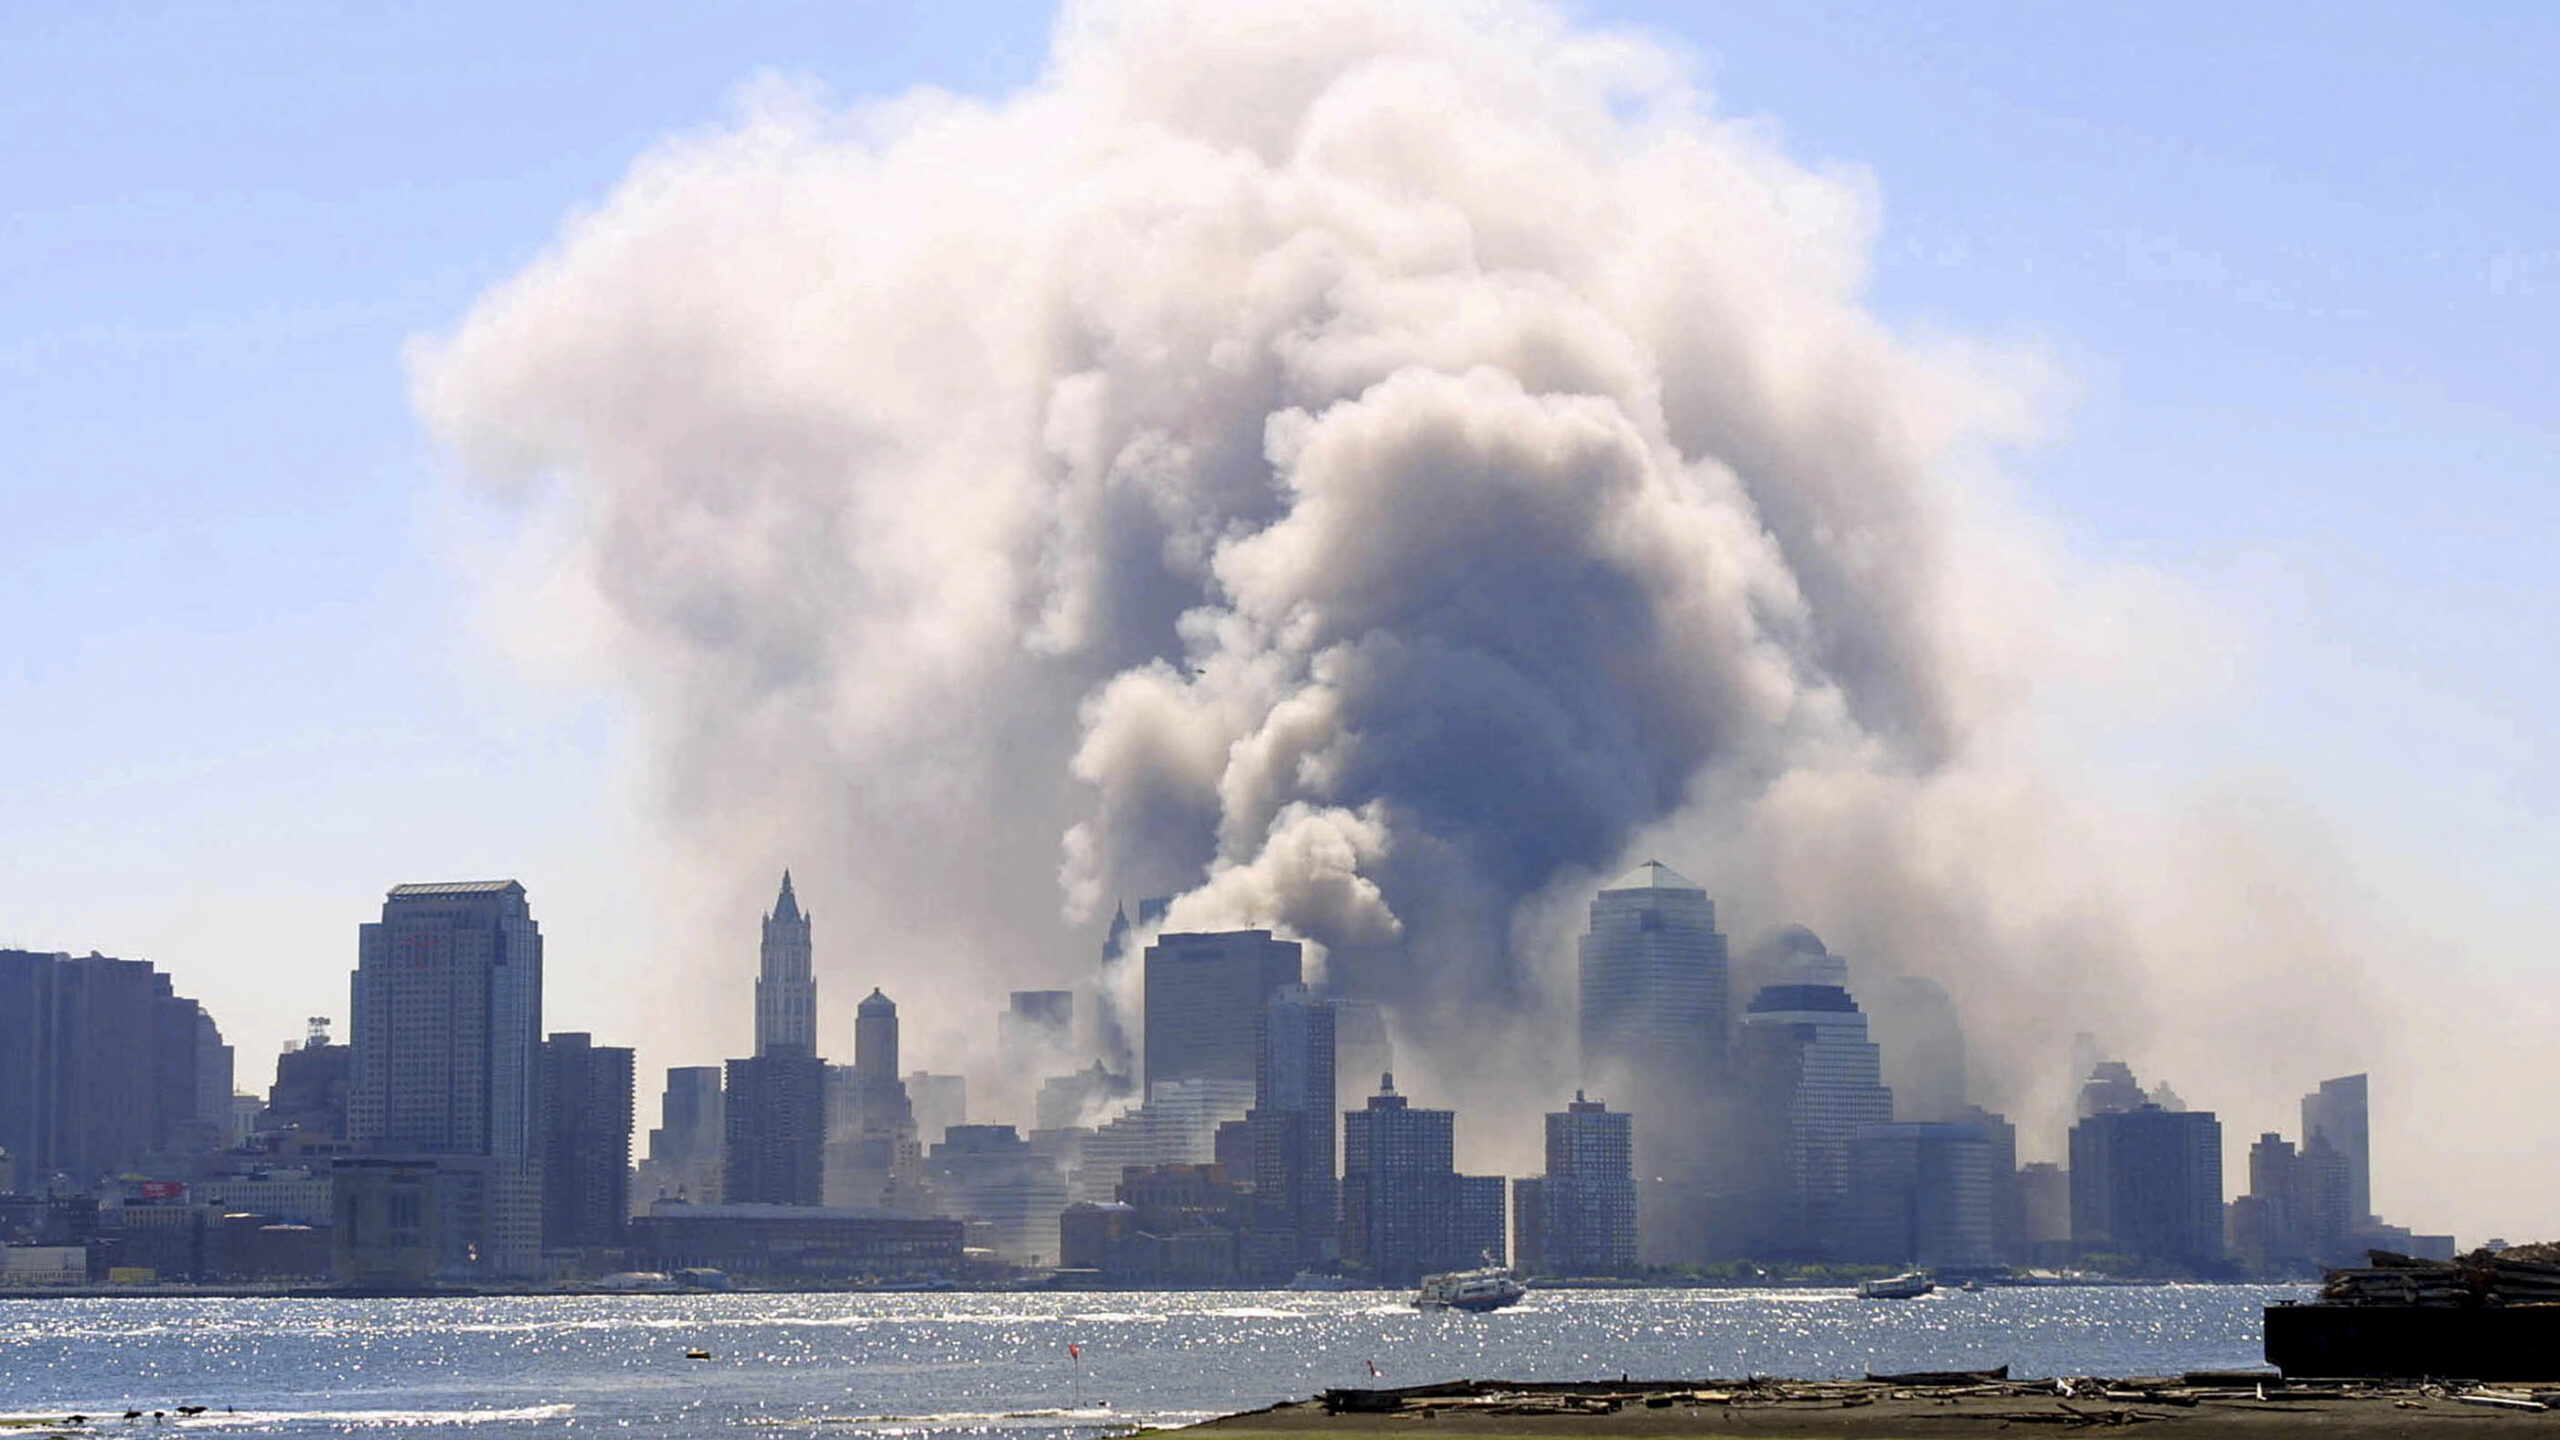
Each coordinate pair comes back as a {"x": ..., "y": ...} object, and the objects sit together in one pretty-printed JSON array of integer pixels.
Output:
[
  {"x": 102, "y": 1066},
  {"x": 2146, "y": 1184},
  {"x": 871, "y": 1123},
  {"x": 1405, "y": 1209},
  {"x": 1653, "y": 979},
  {"x": 774, "y": 1129},
  {"x": 1203, "y": 992},
  {"x": 1292, "y": 1128},
  {"x": 586, "y": 1142},
  {"x": 786, "y": 988},
  {"x": 1920, "y": 1043},
  {"x": 448, "y": 1030},
  {"x": 1585, "y": 1222},
  {"x": 685, "y": 1150},
  {"x": 1921, "y": 1193},
  {"x": 2336, "y": 1112},
  {"x": 1813, "y": 1079}
]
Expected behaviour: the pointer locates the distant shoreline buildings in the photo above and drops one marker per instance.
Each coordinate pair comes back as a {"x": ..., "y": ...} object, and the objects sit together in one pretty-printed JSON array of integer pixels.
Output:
[{"x": 1221, "y": 1133}]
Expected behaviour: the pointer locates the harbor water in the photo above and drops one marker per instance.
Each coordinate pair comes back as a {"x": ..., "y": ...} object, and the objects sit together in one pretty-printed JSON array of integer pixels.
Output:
[{"x": 1020, "y": 1367}]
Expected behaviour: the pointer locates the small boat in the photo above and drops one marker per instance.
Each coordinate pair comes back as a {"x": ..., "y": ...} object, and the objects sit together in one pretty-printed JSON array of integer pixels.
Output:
[
  {"x": 697, "y": 1354},
  {"x": 1312, "y": 1280},
  {"x": 1910, "y": 1285},
  {"x": 1478, "y": 1290}
]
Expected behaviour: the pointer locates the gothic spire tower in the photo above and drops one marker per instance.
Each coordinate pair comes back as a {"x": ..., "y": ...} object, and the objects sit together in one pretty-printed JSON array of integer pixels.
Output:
[{"x": 786, "y": 991}]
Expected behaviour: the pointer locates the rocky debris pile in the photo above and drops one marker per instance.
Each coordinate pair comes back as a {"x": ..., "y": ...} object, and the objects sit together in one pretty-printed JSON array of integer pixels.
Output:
[
  {"x": 1990, "y": 1395},
  {"x": 2522, "y": 1275}
]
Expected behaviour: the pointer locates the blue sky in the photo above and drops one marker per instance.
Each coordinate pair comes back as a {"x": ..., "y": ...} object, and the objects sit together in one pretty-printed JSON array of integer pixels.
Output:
[{"x": 2300, "y": 265}]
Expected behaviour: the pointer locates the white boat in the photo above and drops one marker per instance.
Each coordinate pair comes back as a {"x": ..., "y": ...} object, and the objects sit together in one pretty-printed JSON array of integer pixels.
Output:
[
  {"x": 1910, "y": 1285},
  {"x": 1312, "y": 1280},
  {"x": 1488, "y": 1289}
]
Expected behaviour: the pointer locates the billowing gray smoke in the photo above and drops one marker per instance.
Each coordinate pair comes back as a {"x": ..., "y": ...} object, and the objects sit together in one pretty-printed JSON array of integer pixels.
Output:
[{"x": 1363, "y": 468}]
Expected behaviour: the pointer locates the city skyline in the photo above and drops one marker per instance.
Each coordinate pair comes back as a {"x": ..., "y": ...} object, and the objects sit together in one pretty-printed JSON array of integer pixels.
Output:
[{"x": 1991, "y": 554}]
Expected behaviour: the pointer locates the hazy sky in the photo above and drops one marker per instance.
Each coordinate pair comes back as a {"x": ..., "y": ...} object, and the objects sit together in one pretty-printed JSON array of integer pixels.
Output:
[{"x": 2297, "y": 270}]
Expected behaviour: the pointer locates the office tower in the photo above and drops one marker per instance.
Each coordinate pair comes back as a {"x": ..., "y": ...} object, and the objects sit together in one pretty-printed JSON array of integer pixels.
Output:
[
  {"x": 1653, "y": 976},
  {"x": 2146, "y": 1184},
  {"x": 586, "y": 1142},
  {"x": 786, "y": 988},
  {"x": 309, "y": 1097},
  {"x": 2325, "y": 1200},
  {"x": 773, "y": 1121},
  {"x": 1362, "y": 1050},
  {"x": 2044, "y": 1211},
  {"x": 1081, "y": 1099},
  {"x": 940, "y": 1102},
  {"x": 1813, "y": 1078},
  {"x": 1037, "y": 1028},
  {"x": 2336, "y": 1112},
  {"x": 1920, "y": 1193},
  {"x": 1406, "y": 1212},
  {"x": 2111, "y": 1089},
  {"x": 1291, "y": 1126},
  {"x": 2265, "y": 1225},
  {"x": 1203, "y": 992},
  {"x": 685, "y": 1150},
  {"x": 988, "y": 1173},
  {"x": 2008, "y": 1207},
  {"x": 871, "y": 1125},
  {"x": 448, "y": 1031},
  {"x": 1920, "y": 1044},
  {"x": 1580, "y": 1217},
  {"x": 104, "y": 1068}
]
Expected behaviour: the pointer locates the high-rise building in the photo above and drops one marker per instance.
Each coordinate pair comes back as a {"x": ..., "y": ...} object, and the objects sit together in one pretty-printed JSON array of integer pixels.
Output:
[
  {"x": 1203, "y": 992},
  {"x": 1291, "y": 1125},
  {"x": 586, "y": 1142},
  {"x": 1920, "y": 1044},
  {"x": 1921, "y": 1193},
  {"x": 1405, "y": 1209},
  {"x": 940, "y": 1101},
  {"x": 685, "y": 1150},
  {"x": 786, "y": 986},
  {"x": 104, "y": 1068},
  {"x": 2336, "y": 1112},
  {"x": 309, "y": 1096},
  {"x": 988, "y": 1173},
  {"x": 774, "y": 1129},
  {"x": 448, "y": 1032},
  {"x": 871, "y": 1148},
  {"x": 2111, "y": 1089},
  {"x": 1580, "y": 1217},
  {"x": 2146, "y": 1185},
  {"x": 2265, "y": 1226},
  {"x": 1653, "y": 1001},
  {"x": 1813, "y": 1079}
]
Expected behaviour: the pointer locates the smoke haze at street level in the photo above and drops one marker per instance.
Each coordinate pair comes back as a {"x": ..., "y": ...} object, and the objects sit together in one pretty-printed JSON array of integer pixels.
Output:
[{"x": 1370, "y": 474}]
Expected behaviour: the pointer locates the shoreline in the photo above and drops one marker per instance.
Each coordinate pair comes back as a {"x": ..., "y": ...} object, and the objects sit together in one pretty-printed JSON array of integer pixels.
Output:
[
  {"x": 2237, "y": 1405},
  {"x": 573, "y": 1290}
]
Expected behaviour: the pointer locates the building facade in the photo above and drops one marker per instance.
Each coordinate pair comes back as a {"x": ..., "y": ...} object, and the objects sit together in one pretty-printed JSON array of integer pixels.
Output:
[
  {"x": 586, "y": 1142},
  {"x": 1653, "y": 999},
  {"x": 1406, "y": 1212},
  {"x": 2146, "y": 1186},
  {"x": 773, "y": 1129},
  {"x": 685, "y": 1149},
  {"x": 1922, "y": 1193},
  {"x": 104, "y": 1068},
  {"x": 1813, "y": 1079},
  {"x": 1203, "y": 992},
  {"x": 2337, "y": 1114},
  {"x": 1292, "y": 1127},
  {"x": 786, "y": 983},
  {"x": 445, "y": 1064},
  {"x": 1580, "y": 1217}
]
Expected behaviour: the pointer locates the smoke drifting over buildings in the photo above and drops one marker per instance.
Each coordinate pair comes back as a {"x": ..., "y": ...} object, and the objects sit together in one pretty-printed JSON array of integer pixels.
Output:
[{"x": 1364, "y": 471}]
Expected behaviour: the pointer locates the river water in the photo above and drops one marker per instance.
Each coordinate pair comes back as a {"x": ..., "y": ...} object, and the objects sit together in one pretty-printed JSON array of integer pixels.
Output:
[{"x": 921, "y": 1367}]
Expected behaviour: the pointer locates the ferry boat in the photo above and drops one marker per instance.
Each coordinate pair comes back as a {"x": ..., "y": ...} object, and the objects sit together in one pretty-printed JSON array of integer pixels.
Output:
[
  {"x": 1488, "y": 1289},
  {"x": 1908, "y": 1286}
]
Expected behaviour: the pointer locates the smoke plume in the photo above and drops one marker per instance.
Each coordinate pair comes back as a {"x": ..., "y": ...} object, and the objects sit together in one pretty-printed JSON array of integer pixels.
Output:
[{"x": 1367, "y": 470}]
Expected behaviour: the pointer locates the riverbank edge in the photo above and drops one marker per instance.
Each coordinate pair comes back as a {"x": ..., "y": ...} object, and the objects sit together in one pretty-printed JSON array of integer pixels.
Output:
[{"x": 2198, "y": 1406}]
